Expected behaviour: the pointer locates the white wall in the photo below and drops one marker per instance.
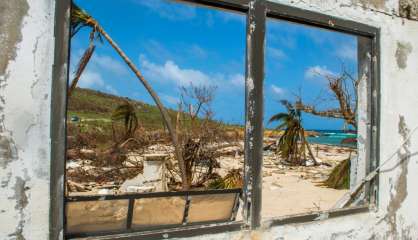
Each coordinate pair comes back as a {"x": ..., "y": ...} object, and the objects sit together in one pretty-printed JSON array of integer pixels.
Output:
[
  {"x": 25, "y": 86},
  {"x": 26, "y": 39}
]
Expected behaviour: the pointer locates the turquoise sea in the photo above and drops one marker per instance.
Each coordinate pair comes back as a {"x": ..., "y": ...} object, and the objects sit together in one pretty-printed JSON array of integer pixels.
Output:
[{"x": 333, "y": 137}]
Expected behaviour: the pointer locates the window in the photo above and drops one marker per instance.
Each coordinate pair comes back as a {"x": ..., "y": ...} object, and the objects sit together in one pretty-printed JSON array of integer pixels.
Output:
[
  {"x": 154, "y": 146},
  {"x": 311, "y": 121},
  {"x": 124, "y": 185}
]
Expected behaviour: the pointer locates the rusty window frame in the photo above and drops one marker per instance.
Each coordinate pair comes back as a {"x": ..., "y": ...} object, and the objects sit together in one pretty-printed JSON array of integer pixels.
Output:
[{"x": 257, "y": 12}]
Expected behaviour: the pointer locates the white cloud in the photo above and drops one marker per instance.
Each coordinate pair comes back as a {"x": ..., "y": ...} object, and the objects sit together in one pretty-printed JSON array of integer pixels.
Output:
[
  {"x": 278, "y": 90},
  {"x": 276, "y": 53},
  {"x": 168, "y": 10},
  {"x": 347, "y": 51},
  {"x": 111, "y": 90},
  {"x": 171, "y": 72},
  {"x": 316, "y": 71},
  {"x": 94, "y": 80},
  {"x": 110, "y": 64},
  {"x": 237, "y": 80},
  {"x": 90, "y": 79}
]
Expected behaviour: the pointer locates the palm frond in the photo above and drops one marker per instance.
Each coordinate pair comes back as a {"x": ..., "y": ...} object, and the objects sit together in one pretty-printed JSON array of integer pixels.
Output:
[
  {"x": 80, "y": 19},
  {"x": 126, "y": 112},
  {"x": 82, "y": 64},
  {"x": 279, "y": 117}
]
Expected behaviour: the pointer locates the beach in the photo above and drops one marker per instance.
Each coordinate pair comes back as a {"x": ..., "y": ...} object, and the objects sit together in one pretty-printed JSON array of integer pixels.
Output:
[{"x": 287, "y": 190}]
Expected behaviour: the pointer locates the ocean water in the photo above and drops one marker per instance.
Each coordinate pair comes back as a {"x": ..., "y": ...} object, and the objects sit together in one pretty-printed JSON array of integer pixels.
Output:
[{"x": 333, "y": 137}]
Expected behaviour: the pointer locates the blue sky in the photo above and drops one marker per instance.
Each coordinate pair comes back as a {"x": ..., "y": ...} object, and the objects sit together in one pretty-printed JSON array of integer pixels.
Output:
[{"x": 174, "y": 44}]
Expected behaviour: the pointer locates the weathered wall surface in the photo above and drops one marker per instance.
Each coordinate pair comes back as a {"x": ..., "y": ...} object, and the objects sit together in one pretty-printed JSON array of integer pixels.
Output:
[
  {"x": 26, "y": 58},
  {"x": 396, "y": 216},
  {"x": 26, "y": 40}
]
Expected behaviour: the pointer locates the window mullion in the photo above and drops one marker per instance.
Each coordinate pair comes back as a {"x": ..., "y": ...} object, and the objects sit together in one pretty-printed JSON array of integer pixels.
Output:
[{"x": 256, "y": 22}]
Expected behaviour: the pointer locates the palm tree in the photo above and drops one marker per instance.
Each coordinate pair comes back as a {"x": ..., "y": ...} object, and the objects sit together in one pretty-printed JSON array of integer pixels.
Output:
[
  {"x": 79, "y": 19},
  {"x": 292, "y": 144},
  {"x": 126, "y": 113}
]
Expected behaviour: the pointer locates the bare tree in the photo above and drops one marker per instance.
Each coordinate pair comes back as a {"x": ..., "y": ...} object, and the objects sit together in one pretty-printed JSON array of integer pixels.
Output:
[
  {"x": 196, "y": 131},
  {"x": 343, "y": 88}
]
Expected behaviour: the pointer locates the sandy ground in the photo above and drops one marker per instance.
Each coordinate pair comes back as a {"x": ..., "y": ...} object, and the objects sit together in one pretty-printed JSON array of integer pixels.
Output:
[
  {"x": 287, "y": 190},
  {"x": 289, "y": 194}
]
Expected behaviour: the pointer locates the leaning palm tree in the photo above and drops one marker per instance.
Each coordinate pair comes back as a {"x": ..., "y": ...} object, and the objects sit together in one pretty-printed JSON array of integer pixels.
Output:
[
  {"x": 292, "y": 145},
  {"x": 80, "y": 19}
]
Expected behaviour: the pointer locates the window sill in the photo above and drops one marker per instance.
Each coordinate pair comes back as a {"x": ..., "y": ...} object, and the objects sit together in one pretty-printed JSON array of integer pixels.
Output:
[
  {"x": 190, "y": 231},
  {"x": 316, "y": 216},
  {"x": 180, "y": 232}
]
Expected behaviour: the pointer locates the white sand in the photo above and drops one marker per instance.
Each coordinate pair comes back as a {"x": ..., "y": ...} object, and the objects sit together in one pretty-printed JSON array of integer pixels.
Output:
[{"x": 289, "y": 190}]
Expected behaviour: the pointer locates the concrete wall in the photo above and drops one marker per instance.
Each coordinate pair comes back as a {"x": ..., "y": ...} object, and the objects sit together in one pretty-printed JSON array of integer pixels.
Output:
[
  {"x": 26, "y": 50},
  {"x": 26, "y": 58}
]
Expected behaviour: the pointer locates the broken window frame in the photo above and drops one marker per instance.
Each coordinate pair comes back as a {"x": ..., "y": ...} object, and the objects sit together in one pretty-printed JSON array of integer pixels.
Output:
[{"x": 257, "y": 12}]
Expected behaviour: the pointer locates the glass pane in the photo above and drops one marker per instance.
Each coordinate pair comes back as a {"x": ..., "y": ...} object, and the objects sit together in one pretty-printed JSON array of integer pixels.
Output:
[
  {"x": 158, "y": 211},
  {"x": 94, "y": 216},
  {"x": 217, "y": 207},
  {"x": 118, "y": 140},
  {"x": 310, "y": 137}
]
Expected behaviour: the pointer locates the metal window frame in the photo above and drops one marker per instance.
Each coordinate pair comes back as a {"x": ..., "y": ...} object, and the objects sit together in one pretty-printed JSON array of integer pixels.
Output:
[
  {"x": 257, "y": 12},
  {"x": 132, "y": 197}
]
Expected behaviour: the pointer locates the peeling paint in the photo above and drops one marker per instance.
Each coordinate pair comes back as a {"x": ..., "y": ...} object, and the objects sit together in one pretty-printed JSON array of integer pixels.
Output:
[
  {"x": 408, "y": 9},
  {"x": 25, "y": 215},
  {"x": 377, "y": 4},
  {"x": 400, "y": 187},
  {"x": 21, "y": 203},
  {"x": 402, "y": 52},
  {"x": 8, "y": 151}
]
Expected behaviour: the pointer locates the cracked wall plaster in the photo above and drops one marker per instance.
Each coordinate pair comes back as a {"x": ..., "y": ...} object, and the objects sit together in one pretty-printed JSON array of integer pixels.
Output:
[
  {"x": 26, "y": 37},
  {"x": 25, "y": 143}
]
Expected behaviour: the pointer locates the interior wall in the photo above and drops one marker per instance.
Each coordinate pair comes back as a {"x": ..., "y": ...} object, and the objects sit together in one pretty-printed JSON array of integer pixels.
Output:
[{"x": 26, "y": 65}]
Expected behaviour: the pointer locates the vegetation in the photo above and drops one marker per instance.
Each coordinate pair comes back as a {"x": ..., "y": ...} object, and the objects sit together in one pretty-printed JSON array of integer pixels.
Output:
[
  {"x": 292, "y": 145},
  {"x": 126, "y": 113},
  {"x": 233, "y": 179},
  {"x": 344, "y": 90},
  {"x": 197, "y": 131},
  {"x": 80, "y": 19},
  {"x": 338, "y": 178}
]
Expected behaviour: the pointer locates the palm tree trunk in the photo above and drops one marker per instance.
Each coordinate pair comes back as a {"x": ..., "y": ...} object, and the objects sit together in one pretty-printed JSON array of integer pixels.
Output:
[
  {"x": 309, "y": 148},
  {"x": 164, "y": 113}
]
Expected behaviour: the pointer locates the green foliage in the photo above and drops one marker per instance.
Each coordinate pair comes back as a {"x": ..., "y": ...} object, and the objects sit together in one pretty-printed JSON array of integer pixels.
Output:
[
  {"x": 80, "y": 19},
  {"x": 292, "y": 144},
  {"x": 98, "y": 107},
  {"x": 126, "y": 112},
  {"x": 231, "y": 180},
  {"x": 339, "y": 177}
]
